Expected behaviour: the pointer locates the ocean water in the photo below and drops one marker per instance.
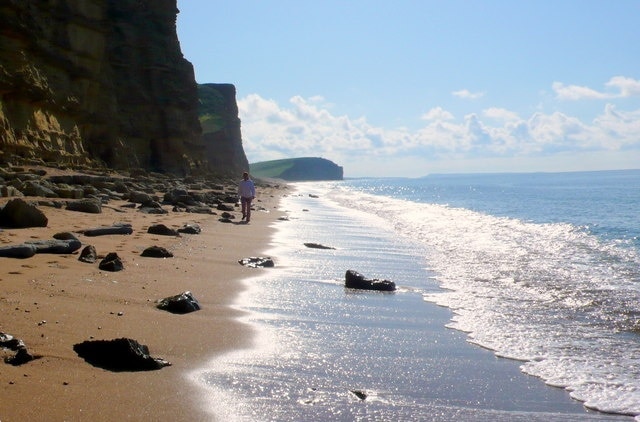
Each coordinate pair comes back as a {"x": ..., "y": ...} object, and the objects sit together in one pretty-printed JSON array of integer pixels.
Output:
[{"x": 543, "y": 269}]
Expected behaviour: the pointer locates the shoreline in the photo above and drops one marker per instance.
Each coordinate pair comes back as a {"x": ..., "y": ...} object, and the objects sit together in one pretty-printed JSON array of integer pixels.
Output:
[
  {"x": 52, "y": 302},
  {"x": 453, "y": 376}
]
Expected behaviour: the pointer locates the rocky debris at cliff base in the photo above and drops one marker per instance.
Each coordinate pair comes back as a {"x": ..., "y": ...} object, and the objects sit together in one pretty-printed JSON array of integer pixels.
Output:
[
  {"x": 19, "y": 214},
  {"x": 257, "y": 262},
  {"x": 118, "y": 355},
  {"x": 90, "y": 206},
  {"x": 355, "y": 280},
  {"x": 183, "y": 303}
]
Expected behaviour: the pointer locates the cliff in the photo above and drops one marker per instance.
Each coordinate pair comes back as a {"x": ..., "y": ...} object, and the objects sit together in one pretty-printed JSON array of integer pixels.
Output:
[
  {"x": 298, "y": 169},
  {"x": 98, "y": 81},
  {"x": 221, "y": 133}
]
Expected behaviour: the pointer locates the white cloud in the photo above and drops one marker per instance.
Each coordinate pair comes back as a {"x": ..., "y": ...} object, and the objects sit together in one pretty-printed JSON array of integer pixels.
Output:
[
  {"x": 623, "y": 88},
  {"x": 466, "y": 94},
  {"x": 437, "y": 113},
  {"x": 305, "y": 128}
]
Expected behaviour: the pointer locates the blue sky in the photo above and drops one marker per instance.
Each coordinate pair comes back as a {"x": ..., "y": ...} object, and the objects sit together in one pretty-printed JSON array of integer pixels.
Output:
[{"x": 408, "y": 88}]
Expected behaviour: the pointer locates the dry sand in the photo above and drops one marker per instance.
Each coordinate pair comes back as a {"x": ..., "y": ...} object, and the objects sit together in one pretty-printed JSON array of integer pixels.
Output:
[{"x": 52, "y": 302}]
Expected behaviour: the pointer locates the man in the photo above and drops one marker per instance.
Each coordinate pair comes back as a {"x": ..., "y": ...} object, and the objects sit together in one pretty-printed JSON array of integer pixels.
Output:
[{"x": 247, "y": 193}]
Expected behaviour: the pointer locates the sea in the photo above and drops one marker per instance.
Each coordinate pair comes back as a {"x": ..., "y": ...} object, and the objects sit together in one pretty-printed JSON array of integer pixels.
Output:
[{"x": 518, "y": 299}]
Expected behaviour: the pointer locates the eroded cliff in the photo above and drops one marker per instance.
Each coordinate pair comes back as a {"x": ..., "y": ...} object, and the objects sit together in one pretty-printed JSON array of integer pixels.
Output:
[{"x": 85, "y": 81}]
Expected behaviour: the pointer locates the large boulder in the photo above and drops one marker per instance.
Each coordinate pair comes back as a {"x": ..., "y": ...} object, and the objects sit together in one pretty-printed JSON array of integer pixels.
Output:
[
  {"x": 355, "y": 280},
  {"x": 18, "y": 213}
]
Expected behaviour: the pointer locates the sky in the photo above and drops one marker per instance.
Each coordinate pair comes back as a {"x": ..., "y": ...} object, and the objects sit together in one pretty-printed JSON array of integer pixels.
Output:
[{"x": 408, "y": 88}]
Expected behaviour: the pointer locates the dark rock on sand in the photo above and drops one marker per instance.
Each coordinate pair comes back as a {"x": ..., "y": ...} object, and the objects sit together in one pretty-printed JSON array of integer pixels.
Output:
[
  {"x": 17, "y": 251},
  {"x": 120, "y": 228},
  {"x": 65, "y": 236},
  {"x": 55, "y": 246},
  {"x": 162, "y": 230},
  {"x": 190, "y": 229},
  {"x": 179, "y": 304},
  {"x": 156, "y": 252},
  {"x": 118, "y": 355},
  {"x": 225, "y": 207},
  {"x": 257, "y": 261},
  {"x": 355, "y": 280},
  {"x": 22, "y": 355},
  {"x": 18, "y": 213},
  {"x": 317, "y": 246},
  {"x": 88, "y": 254},
  {"x": 111, "y": 262},
  {"x": 90, "y": 206}
]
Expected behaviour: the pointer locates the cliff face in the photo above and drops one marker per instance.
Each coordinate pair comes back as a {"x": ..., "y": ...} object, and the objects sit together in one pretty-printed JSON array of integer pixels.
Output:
[
  {"x": 221, "y": 128},
  {"x": 105, "y": 80}
]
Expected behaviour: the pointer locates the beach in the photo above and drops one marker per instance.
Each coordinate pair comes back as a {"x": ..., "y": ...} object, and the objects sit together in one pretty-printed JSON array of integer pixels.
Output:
[
  {"x": 268, "y": 344},
  {"x": 52, "y": 302}
]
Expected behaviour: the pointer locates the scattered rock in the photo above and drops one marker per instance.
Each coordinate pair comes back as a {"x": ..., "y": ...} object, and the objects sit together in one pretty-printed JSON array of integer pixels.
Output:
[
  {"x": 90, "y": 206},
  {"x": 317, "y": 246},
  {"x": 18, "y": 213},
  {"x": 119, "y": 228},
  {"x": 355, "y": 280},
  {"x": 55, "y": 246},
  {"x": 161, "y": 229},
  {"x": 111, "y": 262},
  {"x": 257, "y": 261},
  {"x": 156, "y": 252},
  {"x": 22, "y": 355},
  {"x": 190, "y": 229},
  {"x": 179, "y": 304},
  {"x": 17, "y": 251},
  {"x": 359, "y": 394},
  {"x": 88, "y": 254},
  {"x": 119, "y": 355}
]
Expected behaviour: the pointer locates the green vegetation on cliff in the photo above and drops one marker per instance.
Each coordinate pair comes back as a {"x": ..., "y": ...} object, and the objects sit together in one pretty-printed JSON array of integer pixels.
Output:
[{"x": 298, "y": 169}]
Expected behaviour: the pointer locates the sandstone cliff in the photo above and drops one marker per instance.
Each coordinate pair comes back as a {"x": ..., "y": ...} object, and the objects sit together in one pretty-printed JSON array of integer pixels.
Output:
[{"x": 85, "y": 81}]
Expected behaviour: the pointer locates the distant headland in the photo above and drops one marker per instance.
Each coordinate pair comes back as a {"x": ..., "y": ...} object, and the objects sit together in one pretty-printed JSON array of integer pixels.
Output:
[{"x": 298, "y": 169}]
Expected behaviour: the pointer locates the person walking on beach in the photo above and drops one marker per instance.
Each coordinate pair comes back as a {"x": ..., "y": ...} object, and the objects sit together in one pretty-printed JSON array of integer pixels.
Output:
[{"x": 247, "y": 193}]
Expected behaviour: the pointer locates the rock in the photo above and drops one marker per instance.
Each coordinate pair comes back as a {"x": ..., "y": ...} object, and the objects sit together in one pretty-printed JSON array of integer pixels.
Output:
[
  {"x": 22, "y": 355},
  {"x": 17, "y": 251},
  {"x": 140, "y": 197},
  {"x": 199, "y": 210},
  {"x": 88, "y": 254},
  {"x": 224, "y": 207},
  {"x": 162, "y": 230},
  {"x": 118, "y": 355},
  {"x": 9, "y": 191},
  {"x": 119, "y": 228},
  {"x": 33, "y": 188},
  {"x": 317, "y": 246},
  {"x": 91, "y": 206},
  {"x": 359, "y": 394},
  {"x": 257, "y": 261},
  {"x": 179, "y": 304},
  {"x": 190, "y": 229},
  {"x": 18, "y": 213},
  {"x": 355, "y": 280},
  {"x": 65, "y": 236},
  {"x": 156, "y": 252},
  {"x": 55, "y": 246},
  {"x": 111, "y": 262}
]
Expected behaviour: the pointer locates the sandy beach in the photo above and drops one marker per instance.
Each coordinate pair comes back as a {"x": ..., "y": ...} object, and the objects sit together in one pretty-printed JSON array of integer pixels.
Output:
[{"x": 52, "y": 302}]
